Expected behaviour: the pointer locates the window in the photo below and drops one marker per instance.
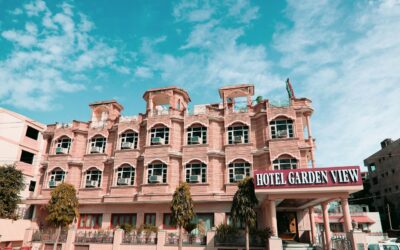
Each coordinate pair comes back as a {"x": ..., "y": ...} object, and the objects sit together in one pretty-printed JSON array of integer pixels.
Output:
[
  {"x": 205, "y": 219},
  {"x": 196, "y": 135},
  {"x": 27, "y": 157},
  {"x": 125, "y": 175},
  {"x": 378, "y": 195},
  {"x": 93, "y": 178},
  {"x": 129, "y": 140},
  {"x": 120, "y": 219},
  {"x": 280, "y": 164},
  {"x": 32, "y": 133},
  {"x": 150, "y": 219},
  {"x": 167, "y": 222},
  {"x": 32, "y": 185},
  {"x": 56, "y": 177},
  {"x": 372, "y": 168},
  {"x": 98, "y": 144},
  {"x": 159, "y": 136},
  {"x": 281, "y": 129},
  {"x": 238, "y": 171},
  {"x": 238, "y": 134},
  {"x": 238, "y": 224},
  {"x": 390, "y": 247},
  {"x": 196, "y": 172},
  {"x": 157, "y": 173},
  {"x": 393, "y": 171},
  {"x": 89, "y": 221},
  {"x": 397, "y": 187},
  {"x": 375, "y": 180},
  {"x": 63, "y": 145}
]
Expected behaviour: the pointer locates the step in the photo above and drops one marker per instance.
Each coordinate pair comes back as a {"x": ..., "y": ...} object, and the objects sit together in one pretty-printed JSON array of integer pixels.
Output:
[{"x": 296, "y": 246}]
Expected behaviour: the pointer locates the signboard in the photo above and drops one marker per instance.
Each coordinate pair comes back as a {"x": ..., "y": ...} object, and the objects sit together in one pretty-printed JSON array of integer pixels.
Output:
[{"x": 316, "y": 177}]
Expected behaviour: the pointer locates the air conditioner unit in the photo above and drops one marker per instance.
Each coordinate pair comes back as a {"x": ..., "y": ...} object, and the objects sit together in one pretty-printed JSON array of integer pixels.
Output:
[
  {"x": 155, "y": 178},
  {"x": 92, "y": 183},
  {"x": 126, "y": 145},
  {"x": 96, "y": 150},
  {"x": 196, "y": 140},
  {"x": 281, "y": 133},
  {"x": 239, "y": 177},
  {"x": 60, "y": 150},
  {"x": 53, "y": 184},
  {"x": 123, "y": 181},
  {"x": 238, "y": 139},
  {"x": 157, "y": 141},
  {"x": 195, "y": 178}
]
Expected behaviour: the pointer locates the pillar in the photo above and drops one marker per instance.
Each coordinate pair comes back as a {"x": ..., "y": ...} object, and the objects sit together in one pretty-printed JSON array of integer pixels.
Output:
[
  {"x": 118, "y": 235},
  {"x": 308, "y": 126},
  {"x": 312, "y": 224},
  {"x": 69, "y": 244},
  {"x": 346, "y": 215},
  {"x": 106, "y": 220},
  {"x": 327, "y": 229},
  {"x": 274, "y": 242}
]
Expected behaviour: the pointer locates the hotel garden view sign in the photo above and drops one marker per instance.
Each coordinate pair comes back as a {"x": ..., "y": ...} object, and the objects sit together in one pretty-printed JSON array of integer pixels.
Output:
[{"x": 316, "y": 177}]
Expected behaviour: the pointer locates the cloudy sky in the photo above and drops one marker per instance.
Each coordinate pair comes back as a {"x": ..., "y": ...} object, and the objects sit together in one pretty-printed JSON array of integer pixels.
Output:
[{"x": 56, "y": 57}]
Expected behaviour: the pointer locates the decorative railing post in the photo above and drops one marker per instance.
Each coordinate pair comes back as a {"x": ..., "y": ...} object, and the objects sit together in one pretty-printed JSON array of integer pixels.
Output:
[
  {"x": 210, "y": 239},
  {"x": 118, "y": 235},
  {"x": 161, "y": 235}
]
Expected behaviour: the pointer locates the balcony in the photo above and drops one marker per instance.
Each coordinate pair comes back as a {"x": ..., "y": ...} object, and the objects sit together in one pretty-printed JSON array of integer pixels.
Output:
[{"x": 95, "y": 237}]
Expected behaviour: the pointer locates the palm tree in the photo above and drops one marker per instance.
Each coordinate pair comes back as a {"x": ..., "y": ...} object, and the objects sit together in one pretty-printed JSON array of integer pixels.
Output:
[
  {"x": 182, "y": 208},
  {"x": 243, "y": 205}
]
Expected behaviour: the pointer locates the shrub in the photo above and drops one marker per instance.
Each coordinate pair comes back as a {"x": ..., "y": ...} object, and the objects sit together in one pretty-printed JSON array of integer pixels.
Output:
[{"x": 226, "y": 232}]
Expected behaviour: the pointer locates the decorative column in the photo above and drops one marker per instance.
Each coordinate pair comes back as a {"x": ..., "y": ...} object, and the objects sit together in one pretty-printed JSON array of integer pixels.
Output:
[
  {"x": 308, "y": 126},
  {"x": 346, "y": 215},
  {"x": 312, "y": 224},
  {"x": 274, "y": 241},
  {"x": 327, "y": 230}
]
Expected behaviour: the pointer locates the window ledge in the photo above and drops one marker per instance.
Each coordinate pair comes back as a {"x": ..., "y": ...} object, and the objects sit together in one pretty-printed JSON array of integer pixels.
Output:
[
  {"x": 90, "y": 188},
  {"x": 238, "y": 144},
  {"x": 127, "y": 150},
  {"x": 154, "y": 184},
  {"x": 283, "y": 139},
  {"x": 231, "y": 184},
  {"x": 157, "y": 146},
  {"x": 59, "y": 155},
  {"x": 199, "y": 184},
  {"x": 95, "y": 154},
  {"x": 124, "y": 186},
  {"x": 195, "y": 145}
]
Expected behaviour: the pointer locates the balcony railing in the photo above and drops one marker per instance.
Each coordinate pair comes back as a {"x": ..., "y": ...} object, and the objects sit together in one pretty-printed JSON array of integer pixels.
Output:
[
  {"x": 187, "y": 239},
  {"x": 95, "y": 237},
  {"x": 49, "y": 235},
  {"x": 135, "y": 238}
]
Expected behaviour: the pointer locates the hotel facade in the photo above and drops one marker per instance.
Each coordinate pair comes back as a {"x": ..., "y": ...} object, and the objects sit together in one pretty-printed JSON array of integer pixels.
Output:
[{"x": 125, "y": 169}]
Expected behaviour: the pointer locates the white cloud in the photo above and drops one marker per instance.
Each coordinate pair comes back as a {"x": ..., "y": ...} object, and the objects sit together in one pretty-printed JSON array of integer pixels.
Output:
[
  {"x": 348, "y": 66},
  {"x": 143, "y": 72},
  {"x": 51, "y": 58}
]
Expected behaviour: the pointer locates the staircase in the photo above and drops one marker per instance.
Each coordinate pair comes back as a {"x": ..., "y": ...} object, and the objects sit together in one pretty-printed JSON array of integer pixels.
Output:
[{"x": 293, "y": 245}]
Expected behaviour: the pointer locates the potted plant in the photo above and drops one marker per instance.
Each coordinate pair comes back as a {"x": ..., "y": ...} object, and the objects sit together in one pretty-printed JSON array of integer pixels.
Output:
[
  {"x": 171, "y": 238},
  {"x": 189, "y": 227}
]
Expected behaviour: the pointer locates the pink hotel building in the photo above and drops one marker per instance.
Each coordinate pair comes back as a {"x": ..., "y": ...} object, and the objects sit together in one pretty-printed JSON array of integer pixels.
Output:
[{"x": 125, "y": 169}]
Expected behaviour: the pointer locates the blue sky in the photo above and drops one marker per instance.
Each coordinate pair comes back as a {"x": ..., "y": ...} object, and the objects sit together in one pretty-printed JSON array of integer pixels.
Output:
[{"x": 56, "y": 57}]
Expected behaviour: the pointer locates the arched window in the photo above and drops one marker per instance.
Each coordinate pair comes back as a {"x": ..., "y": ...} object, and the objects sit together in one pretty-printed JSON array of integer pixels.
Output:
[
  {"x": 196, "y": 172},
  {"x": 281, "y": 128},
  {"x": 129, "y": 140},
  {"x": 159, "y": 135},
  {"x": 157, "y": 173},
  {"x": 196, "y": 134},
  {"x": 125, "y": 175},
  {"x": 98, "y": 144},
  {"x": 93, "y": 178},
  {"x": 284, "y": 163},
  {"x": 63, "y": 145},
  {"x": 56, "y": 177},
  {"x": 238, "y": 170},
  {"x": 238, "y": 133}
]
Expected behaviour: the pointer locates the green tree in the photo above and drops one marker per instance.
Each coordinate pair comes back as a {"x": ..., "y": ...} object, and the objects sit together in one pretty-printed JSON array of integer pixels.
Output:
[
  {"x": 12, "y": 183},
  {"x": 62, "y": 208},
  {"x": 243, "y": 205},
  {"x": 182, "y": 208}
]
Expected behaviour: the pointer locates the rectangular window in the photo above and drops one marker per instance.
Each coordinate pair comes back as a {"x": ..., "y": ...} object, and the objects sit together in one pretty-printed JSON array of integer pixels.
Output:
[
  {"x": 204, "y": 219},
  {"x": 121, "y": 219},
  {"x": 197, "y": 135},
  {"x": 281, "y": 129},
  {"x": 32, "y": 186},
  {"x": 372, "y": 168},
  {"x": 32, "y": 133},
  {"x": 150, "y": 219},
  {"x": 27, "y": 157},
  {"x": 159, "y": 136},
  {"x": 238, "y": 134},
  {"x": 167, "y": 222},
  {"x": 375, "y": 180},
  {"x": 88, "y": 221}
]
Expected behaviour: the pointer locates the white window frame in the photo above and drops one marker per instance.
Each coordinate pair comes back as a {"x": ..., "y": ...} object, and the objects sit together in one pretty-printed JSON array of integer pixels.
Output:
[
  {"x": 126, "y": 171},
  {"x": 196, "y": 130},
  {"x": 279, "y": 163},
  {"x": 98, "y": 141},
  {"x": 57, "y": 174},
  {"x": 157, "y": 167},
  {"x": 197, "y": 166},
  {"x": 63, "y": 142},
  {"x": 238, "y": 130},
  {"x": 93, "y": 174},
  {"x": 162, "y": 132},
  {"x": 129, "y": 136},
  {"x": 238, "y": 167},
  {"x": 287, "y": 123}
]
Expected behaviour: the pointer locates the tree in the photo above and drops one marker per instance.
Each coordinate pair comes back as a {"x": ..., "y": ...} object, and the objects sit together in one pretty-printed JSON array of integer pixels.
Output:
[
  {"x": 12, "y": 183},
  {"x": 243, "y": 205},
  {"x": 62, "y": 208},
  {"x": 182, "y": 208}
]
